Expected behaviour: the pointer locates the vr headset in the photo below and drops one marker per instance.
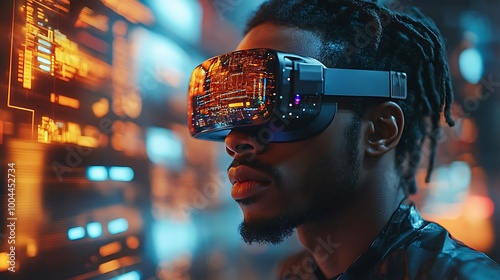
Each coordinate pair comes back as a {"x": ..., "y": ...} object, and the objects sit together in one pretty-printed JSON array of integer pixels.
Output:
[{"x": 276, "y": 96}]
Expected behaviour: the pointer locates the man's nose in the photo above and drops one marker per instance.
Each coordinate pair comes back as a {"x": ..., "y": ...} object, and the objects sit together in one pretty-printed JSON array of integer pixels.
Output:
[{"x": 241, "y": 145}]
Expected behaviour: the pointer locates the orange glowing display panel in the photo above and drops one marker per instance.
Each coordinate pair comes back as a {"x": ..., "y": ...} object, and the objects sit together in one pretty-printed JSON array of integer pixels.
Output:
[{"x": 69, "y": 84}]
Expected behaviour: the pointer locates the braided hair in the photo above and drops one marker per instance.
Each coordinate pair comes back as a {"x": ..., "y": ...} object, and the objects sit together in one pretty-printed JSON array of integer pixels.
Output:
[{"x": 368, "y": 35}]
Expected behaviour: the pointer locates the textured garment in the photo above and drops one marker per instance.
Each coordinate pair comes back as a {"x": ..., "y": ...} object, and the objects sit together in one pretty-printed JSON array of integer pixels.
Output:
[{"x": 408, "y": 247}]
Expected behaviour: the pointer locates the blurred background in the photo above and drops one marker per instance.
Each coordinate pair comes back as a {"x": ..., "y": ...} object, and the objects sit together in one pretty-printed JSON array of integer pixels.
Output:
[{"x": 107, "y": 183}]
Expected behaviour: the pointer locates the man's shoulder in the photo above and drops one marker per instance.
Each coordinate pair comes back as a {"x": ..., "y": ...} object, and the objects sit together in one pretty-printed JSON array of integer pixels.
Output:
[
  {"x": 408, "y": 250},
  {"x": 434, "y": 251}
]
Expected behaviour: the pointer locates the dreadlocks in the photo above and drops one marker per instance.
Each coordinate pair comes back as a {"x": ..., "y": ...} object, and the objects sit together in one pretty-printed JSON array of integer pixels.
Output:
[{"x": 367, "y": 35}]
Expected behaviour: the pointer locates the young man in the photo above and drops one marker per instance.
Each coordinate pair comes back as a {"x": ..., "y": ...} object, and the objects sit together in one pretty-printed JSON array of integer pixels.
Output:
[{"x": 332, "y": 152}]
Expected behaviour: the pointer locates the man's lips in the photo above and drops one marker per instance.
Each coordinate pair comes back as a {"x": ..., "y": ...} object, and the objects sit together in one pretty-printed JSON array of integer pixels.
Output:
[{"x": 247, "y": 182}]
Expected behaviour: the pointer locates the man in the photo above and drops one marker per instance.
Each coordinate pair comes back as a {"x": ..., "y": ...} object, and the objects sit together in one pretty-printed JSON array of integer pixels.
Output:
[{"x": 332, "y": 152}]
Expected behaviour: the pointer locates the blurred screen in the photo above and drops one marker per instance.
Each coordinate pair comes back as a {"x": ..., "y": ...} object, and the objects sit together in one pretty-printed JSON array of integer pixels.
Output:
[{"x": 77, "y": 145}]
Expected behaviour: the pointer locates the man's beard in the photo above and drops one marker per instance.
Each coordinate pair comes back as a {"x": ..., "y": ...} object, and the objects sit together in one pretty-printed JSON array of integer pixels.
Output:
[
  {"x": 338, "y": 172},
  {"x": 273, "y": 230}
]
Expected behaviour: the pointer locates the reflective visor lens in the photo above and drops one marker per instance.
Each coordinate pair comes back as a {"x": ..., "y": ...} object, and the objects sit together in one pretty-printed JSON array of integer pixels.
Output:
[{"x": 235, "y": 89}]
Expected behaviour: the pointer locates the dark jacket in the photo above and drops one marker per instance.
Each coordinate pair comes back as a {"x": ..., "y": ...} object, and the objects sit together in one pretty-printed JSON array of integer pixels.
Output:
[{"x": 408, "y": 247}]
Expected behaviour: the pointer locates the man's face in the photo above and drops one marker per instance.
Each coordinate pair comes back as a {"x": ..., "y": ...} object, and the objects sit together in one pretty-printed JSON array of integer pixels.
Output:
[{"x": 280, "y": 186}]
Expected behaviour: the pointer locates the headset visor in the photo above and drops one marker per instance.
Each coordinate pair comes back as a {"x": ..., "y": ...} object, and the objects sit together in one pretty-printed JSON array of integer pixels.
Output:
[
  {"x": 236, "y": 89},
  {"x": 281, "y": 94}
]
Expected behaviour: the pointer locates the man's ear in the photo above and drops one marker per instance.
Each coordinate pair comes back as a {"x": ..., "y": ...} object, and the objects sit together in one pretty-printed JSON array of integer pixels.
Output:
[{"x": 385, "y": 127}]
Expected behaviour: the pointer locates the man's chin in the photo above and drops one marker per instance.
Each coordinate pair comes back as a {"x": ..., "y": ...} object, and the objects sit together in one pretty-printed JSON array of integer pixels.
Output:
[{"x": 267, "y": 231}]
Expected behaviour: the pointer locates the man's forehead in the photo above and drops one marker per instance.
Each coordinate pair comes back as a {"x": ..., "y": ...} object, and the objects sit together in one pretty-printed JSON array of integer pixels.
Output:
[{"x": 285, "y": 39}]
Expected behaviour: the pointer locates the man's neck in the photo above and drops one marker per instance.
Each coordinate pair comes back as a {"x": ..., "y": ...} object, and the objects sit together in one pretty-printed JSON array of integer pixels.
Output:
[{"x": 338, "y": 239}]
